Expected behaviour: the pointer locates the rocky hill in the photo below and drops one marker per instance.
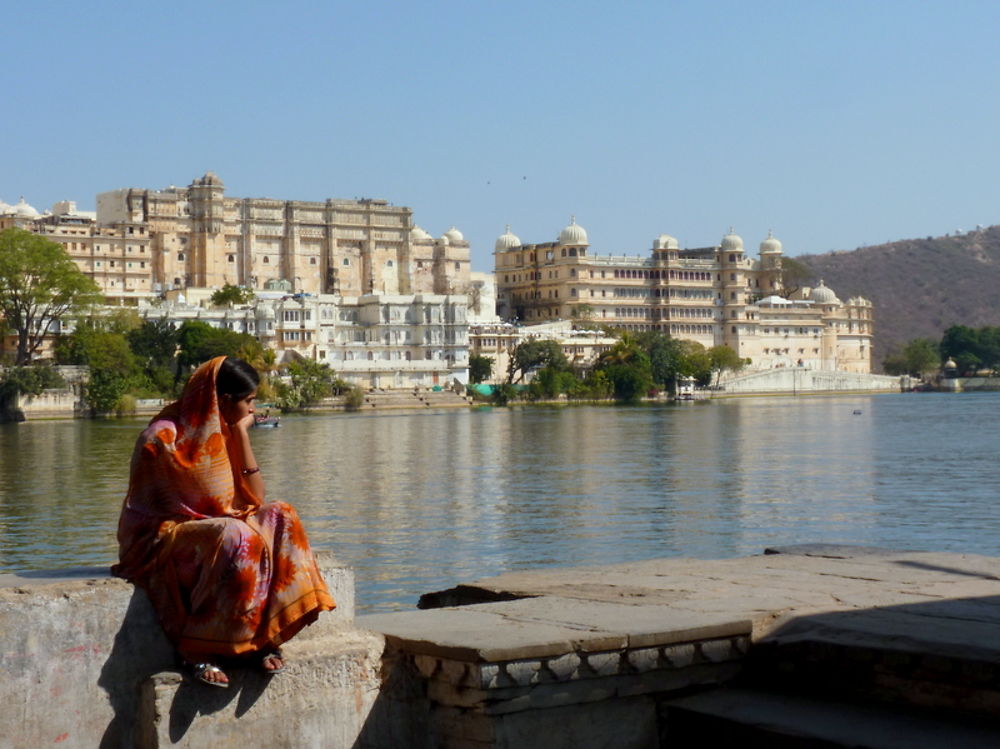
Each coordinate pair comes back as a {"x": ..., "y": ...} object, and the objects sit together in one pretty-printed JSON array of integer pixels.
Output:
[{"x": 919, "y": 287}]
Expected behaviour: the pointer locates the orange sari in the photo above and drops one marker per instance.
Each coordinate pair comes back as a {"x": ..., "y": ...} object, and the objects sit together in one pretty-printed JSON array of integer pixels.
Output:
[{"x": 226, "y": 573}]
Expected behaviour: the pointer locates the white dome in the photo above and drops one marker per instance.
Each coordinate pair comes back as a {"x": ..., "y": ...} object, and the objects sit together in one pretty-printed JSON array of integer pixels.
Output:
[
  {"x": 823, "y": 295},
  {"x": 454, "y": 234},
  {"x": 732, "y": 242},
  {"x": 24, "y": 210},
  {"x": 507, "y": 241},
  {"x": 417, "y": 233},
  {"x": 573, "y": 234},
  {"x": 771, "y": 244},
  {"x": 665, "y": 242}
]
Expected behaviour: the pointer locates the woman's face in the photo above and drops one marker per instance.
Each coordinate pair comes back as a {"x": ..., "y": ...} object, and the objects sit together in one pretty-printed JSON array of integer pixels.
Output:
[{"x": 234, "y": 409}]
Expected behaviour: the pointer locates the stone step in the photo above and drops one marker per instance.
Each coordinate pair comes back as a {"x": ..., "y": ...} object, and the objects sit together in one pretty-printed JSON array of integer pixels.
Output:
[
  {"x": 322, "y": 699},
  {"x": 777, "y": 720},
  {"x": 938, "y": 664}
]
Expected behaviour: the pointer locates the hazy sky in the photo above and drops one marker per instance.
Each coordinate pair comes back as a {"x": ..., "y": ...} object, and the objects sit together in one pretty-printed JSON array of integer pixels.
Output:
[{"x": 837, "y": 124}]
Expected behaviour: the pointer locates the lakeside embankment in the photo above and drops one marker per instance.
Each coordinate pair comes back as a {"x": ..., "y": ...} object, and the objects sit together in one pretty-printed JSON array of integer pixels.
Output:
[
  {"x": 839, "y": 646},
  {"x": 795, "y": 381}
]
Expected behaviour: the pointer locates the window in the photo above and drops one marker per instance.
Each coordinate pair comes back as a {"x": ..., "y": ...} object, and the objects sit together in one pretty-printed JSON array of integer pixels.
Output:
[
  {"x": 312, "y": 261},
  {"x": 180, "y": 256},
  {"x": 346, "y": 262},
  {"x": 266, "y": 260},
  {"x": 231, "y": 258}
]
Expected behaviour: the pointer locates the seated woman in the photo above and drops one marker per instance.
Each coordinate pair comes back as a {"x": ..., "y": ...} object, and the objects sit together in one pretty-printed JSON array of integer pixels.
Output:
[{"x": 227, "y": 574}]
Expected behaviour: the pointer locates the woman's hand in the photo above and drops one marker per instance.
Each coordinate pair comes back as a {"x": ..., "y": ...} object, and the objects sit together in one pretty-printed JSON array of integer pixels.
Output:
[{"x": 243, "y": 424}]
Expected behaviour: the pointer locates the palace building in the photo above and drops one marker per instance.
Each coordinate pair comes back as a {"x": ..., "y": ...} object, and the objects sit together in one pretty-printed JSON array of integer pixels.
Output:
[
  {"x": 713, "y": 295},
  {"x": 202, "y": 238}
]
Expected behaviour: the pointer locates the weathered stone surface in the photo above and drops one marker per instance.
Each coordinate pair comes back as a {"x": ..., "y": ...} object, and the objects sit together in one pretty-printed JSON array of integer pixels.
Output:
[
  {"x": 622, "y": 724},
  {"x": 477, "y": 633},
  {"x": 75, "y": 648},
  {"x": 329, "y": 686}
]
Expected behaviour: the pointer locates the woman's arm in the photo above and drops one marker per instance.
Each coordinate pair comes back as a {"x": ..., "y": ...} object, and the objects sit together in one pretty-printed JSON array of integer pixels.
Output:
[{"x": 241, "y": 454}]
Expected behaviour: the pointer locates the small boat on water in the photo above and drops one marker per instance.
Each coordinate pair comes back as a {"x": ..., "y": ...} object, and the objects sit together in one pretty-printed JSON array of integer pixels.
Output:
[{"x": 267, "y": 422}]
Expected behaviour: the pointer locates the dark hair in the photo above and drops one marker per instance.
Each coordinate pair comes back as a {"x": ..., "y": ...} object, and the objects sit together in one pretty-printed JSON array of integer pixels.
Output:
[{"x": 236, "y": 378}]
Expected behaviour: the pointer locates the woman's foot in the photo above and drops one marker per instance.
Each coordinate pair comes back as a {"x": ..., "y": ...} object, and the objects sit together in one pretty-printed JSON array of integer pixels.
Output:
[
  {"x": 272, "y": 662},
  {"x": 209, "y": 673}
]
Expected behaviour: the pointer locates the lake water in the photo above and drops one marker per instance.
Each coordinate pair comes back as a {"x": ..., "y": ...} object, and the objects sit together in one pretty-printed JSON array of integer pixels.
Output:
[{"x": 419, "y": 501}]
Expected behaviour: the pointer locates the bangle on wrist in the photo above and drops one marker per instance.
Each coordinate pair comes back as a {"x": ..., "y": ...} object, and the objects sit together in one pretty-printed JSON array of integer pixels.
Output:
[{"x": 248, "y": 471}]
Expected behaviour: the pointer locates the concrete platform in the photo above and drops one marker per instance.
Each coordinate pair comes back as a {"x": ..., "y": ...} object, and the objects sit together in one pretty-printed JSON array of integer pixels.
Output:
[{"x": 909, "y": 630}]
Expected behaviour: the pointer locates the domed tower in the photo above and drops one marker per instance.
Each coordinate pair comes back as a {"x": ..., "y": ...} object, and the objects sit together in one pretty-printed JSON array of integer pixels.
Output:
[
  {"x": 825, "y": 299},
  {"x": 665, "y": 248},
  {"x": 574, "y": 237},
  {"x": 451, "y": 263},
  {"x": 506, "y": 255},
  {"x": 206, "y": 261},
  {"x": 770, "y": 265},
  {"x": 733, "y": 286}
]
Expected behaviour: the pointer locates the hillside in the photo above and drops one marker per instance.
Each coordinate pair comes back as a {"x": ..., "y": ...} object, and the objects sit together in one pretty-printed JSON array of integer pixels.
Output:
[{"x": 919, "y": 287}]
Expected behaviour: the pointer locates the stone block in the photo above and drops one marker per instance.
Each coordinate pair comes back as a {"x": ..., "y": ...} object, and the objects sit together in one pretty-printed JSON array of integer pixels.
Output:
[
  {"x": 63, "y": 629},
  {"x": 603, "y": 664},
  {"x": 564, "y": 667},
  {"x": 522, "y": 673},
  {"x": 680, "y": 656},
  {"x": 622, "y": 724},
  {"x": 329, "y": 686}
]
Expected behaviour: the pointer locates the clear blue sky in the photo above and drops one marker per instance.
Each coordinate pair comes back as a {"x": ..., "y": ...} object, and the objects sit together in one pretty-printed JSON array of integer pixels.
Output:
[{"x": 837, "y": 124}]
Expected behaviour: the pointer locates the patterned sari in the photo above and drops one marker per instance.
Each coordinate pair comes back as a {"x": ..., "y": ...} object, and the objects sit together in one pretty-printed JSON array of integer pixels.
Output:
[{"x": 227, "y": 574}]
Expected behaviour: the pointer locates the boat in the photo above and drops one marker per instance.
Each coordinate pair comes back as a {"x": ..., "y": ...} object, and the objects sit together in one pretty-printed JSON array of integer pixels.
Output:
[{"x": 267, "y": 422}]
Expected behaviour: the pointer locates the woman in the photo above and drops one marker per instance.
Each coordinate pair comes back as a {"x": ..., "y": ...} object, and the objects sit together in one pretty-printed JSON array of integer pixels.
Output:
[{"x": 227, "y": 574}]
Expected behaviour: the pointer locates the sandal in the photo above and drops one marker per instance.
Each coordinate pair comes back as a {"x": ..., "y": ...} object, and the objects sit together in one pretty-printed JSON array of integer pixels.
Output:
[
  {"x": 200, "y": 671},
  {"x": 268, "y": 654}
]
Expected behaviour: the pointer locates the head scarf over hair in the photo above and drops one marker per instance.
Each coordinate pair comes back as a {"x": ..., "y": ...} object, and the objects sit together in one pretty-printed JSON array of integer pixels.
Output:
[{"x": 181, "y": 470}]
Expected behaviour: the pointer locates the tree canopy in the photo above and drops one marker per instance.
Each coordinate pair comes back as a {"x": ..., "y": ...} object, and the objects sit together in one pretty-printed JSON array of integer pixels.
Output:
[
  {"x": 40, "y": 285},
  {"x": 918, "y": 358},
  {"x": 535, "y": 354},
  {"x": 232, "y": 294},
  {"x": 480, "y": 368}
]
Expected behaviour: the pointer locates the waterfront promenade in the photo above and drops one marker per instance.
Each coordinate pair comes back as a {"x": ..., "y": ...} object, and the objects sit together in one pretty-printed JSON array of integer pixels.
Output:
[{"x": 849, "y": 646}]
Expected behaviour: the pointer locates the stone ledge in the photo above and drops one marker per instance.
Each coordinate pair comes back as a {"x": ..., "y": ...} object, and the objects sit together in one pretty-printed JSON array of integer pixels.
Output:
[
  {"x": 329, "y": 686},
  {"x": 74, "y": 650}
]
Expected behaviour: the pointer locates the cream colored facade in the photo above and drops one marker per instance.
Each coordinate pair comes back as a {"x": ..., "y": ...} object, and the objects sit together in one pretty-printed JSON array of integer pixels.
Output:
[
  {"x": 118, "y": 257},
  {"x": 202, "y": 238},
  {"x": 713, "y": 295}
]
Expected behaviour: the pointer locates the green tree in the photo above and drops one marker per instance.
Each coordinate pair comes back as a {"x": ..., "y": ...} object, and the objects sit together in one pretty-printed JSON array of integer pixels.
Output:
[
  {"x": 114, "y": 369},
  {"x": 918, "y": 358},
  {"x": 40, "y": 285},
  {"x": 154, "y": 344},
  {"x": 665, "y": 357},
  {"x": 231, "y": 294},
  {"x": 480, "y": 368},
  {"x": 310, "y": 382},
  {"x": 961, "y": 343},
  {"x": 627, "y": 367},
  {"x": 198, "y": 342},
  {"x": 695, "y": 362},
  {"x": 722, "y": 359},
  {"x": 535, "y": 354},
  {"x": 550, "y": 382}
]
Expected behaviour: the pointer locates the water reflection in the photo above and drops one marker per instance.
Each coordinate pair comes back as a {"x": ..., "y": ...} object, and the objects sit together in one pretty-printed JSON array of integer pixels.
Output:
[{"x": 419, "y": 501}]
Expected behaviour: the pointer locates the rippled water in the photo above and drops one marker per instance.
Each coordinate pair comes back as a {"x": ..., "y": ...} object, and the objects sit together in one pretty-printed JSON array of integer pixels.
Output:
[{"x": 420, "y": 501}]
